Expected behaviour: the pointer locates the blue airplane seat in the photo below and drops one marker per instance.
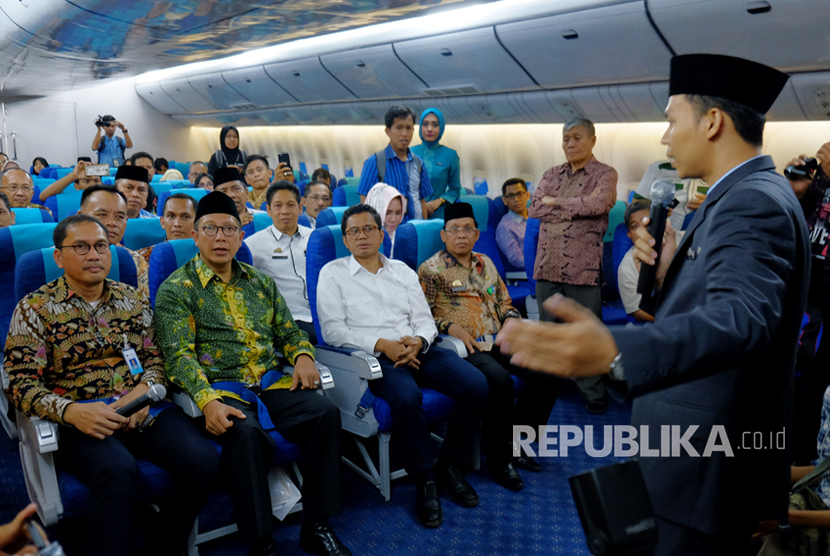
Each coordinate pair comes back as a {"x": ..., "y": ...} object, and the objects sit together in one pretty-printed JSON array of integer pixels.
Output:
[
  {"x": 345, "y": 196},
  {"x": 615, "y": 218},
  {"x": 303, "y": 220},
  {"x": 260, "y": 222},
  {"x": 63, "y": 203},
  {"x": 331, "y": 216},
  {"x": 195, "y": 192},
  {"x": 143, "y": 232},
  {"x": 63, "y": 172},
  {"x": 50, "y": 173},
  {"x": 31, "y": 216},
  {"x": 170, "y": 255},
  {"x": 37, "y": 268},
  {"x": 325, "y": 245}
]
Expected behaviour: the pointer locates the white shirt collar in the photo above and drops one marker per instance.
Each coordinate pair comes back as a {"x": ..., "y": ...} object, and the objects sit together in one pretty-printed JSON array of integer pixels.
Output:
[
  {"x": 355, "y": 266},
  {"x": 301, "y": 230},
  {"x": 709, "y": 192}
]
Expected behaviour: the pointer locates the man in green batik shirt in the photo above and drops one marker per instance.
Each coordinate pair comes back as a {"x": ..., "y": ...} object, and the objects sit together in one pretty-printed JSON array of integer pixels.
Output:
[{"x": 220, "y": 323}]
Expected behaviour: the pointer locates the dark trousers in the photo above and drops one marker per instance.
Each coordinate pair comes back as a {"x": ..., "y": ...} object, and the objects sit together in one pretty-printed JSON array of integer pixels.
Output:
[
  {"x": 589, "y": 297},
  {"x": 445, "y": 372},
  {"x": 677, "y": 540},
  {"x": 532, "y": 407},
  {"x": 302, "y": 417},
  {"x": 308, "y": 328},
  {"x": 108, "y": 467}
]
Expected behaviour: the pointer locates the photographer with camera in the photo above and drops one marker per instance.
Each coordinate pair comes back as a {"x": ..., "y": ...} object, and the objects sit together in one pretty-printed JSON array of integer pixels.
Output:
[
  {"x": 810, "y": 180},
  {"x": 110, "y": 149}
]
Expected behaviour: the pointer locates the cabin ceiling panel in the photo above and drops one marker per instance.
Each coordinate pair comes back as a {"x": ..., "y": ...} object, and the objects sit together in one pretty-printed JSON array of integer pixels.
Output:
[
  {"x": 308, "y": 81},
  {"x": 374, "y": 72},
  {"x": 791, "y": 35},
  {"x": 465, "y": 59},
  {"x": 257, "y": 87},
  {"x": 613, "y": 44},
  {"x": 185, "y": 95}
]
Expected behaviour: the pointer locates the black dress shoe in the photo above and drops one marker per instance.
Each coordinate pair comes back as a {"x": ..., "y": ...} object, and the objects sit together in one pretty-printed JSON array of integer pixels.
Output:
[
  {"x": 507, "y": 476},
  {"x": 527, "y": 463},
  {"x": 427, "y": 505},
  {"x": 262, "y": 547},
  {"x": 318, "y": 538},
  {"x": 452, "y": 480},
  {"x": 596, "y": 407}
]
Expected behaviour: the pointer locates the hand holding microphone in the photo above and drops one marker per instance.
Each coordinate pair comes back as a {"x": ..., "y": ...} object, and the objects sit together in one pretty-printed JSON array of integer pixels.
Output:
[
  {"x": 154, "y": 394},
  {"x": 662, "y": 194}
]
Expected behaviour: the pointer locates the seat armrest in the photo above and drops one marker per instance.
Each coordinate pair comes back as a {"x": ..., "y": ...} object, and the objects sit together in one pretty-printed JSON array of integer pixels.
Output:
[
  {"x": 356, "y": 361},
  {"x": 454, "y": 344},
  {"x": 516, "y": 275},
  {"x": 38, "y": 441},
  {"x": 178, "y": 397},
  {"x": 326, "y": 380},
  {"x": 40, "y": 434}
]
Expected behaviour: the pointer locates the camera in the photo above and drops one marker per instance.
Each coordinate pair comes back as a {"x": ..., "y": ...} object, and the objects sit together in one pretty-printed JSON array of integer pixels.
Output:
[
  {"x": 802, "y": 172},
  {"x": 100, "y": 122}
]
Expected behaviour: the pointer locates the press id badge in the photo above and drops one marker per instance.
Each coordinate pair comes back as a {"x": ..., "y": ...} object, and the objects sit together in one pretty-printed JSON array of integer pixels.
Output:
[{"x": 131, "y": 358}]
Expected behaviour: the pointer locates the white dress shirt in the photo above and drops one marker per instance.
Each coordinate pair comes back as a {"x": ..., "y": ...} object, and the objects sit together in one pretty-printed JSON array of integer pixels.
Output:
[
  {"x": 357, "y": 308},
  {"x": 282, "y": 257}
]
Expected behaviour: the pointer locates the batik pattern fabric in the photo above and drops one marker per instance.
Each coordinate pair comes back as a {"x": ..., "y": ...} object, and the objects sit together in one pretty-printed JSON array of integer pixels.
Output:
[
  {"x": 474, "y": 298},
  {"x": 60, "y": 349},
  {"x": 142, "y": 270},
  {"x": 571, "y": 231},
  {"x": 211, "y": 331}
]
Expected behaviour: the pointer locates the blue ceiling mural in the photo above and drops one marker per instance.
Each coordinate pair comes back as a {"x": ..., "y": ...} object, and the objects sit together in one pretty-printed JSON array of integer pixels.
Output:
[{"x": 49, "y": 45}]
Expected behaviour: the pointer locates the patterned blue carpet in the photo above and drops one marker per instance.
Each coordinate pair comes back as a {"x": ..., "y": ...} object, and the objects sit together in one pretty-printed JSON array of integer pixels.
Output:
[{"x": 539, "y": 520}]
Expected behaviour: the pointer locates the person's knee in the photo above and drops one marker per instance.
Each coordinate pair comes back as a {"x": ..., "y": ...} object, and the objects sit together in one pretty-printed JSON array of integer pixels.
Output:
[
  {"x": 121, "y": 472},
  {"x": 405, "y": 399}
]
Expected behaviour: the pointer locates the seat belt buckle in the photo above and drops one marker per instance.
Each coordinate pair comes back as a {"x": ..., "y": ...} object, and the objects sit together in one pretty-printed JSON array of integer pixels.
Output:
[{"x": 361, "y": 411}]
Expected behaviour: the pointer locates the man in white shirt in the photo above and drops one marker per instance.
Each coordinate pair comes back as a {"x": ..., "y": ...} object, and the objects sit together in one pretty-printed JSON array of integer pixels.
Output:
[
  {"x": 279, "y": 251},
  {"x": 369, "y": 302}
]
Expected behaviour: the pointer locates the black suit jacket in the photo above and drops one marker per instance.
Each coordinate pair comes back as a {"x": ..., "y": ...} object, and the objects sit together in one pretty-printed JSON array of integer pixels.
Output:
[{"x": 722, "y": 352}]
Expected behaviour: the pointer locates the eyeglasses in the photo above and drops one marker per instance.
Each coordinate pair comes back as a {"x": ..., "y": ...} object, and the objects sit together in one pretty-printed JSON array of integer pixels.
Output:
[
  {"x": 227, "y": 231},
  {"x": 466, "y": 229},
  {"x": 16, "y": 188},
  {"x": 315, "y": 198},
  {"x": 83, "y": 248},
  {"x": 368, "y": 231},
  {"x": 511, "y": 196}
]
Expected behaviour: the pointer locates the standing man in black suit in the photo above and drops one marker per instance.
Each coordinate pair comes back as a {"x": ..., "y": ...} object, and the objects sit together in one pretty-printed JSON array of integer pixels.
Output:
[{"x": 721, "y": 352}]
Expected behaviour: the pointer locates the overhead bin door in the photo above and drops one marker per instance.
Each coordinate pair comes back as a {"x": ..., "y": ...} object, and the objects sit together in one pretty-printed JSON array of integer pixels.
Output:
[
  {"x": 220, "y": 94},
  {"x": 308, "y": 81},
  {"x": 473, "y": 59},
  {"x": 180, "y": 90},
  {"x": 791, "y": 35},
  {"x": 373, "y": 72},
  {"x": 255, "y": 85},
  {"x": 614, "y": 44},
  {"x": 158, "y": 99}
]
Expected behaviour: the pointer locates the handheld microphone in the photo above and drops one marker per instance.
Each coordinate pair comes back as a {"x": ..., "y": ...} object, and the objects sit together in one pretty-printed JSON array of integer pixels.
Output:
[
  {"x": 662, "y": 194},
  {"x": 154, "y": 394}
]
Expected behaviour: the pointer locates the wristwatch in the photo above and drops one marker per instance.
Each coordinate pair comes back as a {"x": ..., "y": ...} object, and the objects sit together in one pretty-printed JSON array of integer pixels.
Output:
[
  {"x": 616, "y": 368},
  {"x": 424, "y": 344}
]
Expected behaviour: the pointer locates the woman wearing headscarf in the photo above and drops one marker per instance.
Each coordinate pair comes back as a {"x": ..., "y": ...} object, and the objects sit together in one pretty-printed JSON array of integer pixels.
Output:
[
  {"x": 229, "y": 154},
  {"x": 442, "y": 163},
  {"x": 390, "y": 204}
]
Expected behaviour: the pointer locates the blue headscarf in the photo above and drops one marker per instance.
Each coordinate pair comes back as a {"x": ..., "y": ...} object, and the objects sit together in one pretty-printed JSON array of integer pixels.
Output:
[{"x": 440, "y": 116}]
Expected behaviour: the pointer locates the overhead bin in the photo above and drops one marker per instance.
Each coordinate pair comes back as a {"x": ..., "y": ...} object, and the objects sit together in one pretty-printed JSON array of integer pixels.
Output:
[
  {"x": 219, "y": 93},
  {"x": 639, "y": 102},
  {"x": 813, "y": 93},
  {"x": 180, "y": 90},
  {"x": 763, "y": 31},
  {"x": 471, "y": 61},
  {"x": 372, "y": 73},
  {"x": 308, "y": 81},
  {"x": 257, "y": 87},
  {"x": 158, "y": 99},
  {"x": 613, "y": 44}
]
